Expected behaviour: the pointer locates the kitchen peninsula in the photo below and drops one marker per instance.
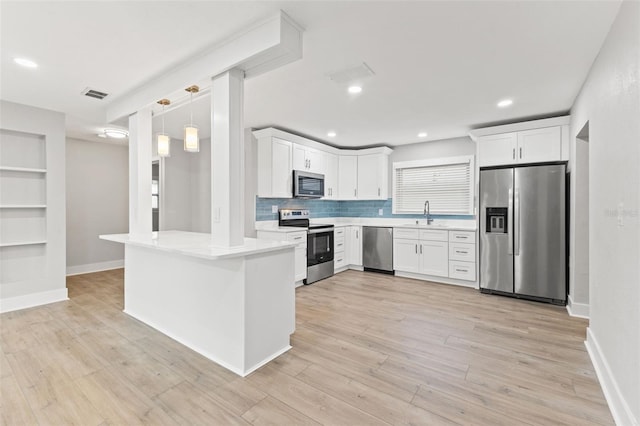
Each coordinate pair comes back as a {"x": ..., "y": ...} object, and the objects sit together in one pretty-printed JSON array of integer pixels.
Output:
[{"x": 234, "y": 305}]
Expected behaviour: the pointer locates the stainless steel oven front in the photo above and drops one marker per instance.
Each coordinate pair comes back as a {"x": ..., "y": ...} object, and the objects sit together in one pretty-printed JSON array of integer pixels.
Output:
[{"x": 319, "y": 253}]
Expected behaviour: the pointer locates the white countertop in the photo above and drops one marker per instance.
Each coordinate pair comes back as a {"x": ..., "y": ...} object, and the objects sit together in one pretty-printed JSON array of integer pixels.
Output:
[
  {"x": 445, "y": 225},
  {"x": 197, "y": 244}
]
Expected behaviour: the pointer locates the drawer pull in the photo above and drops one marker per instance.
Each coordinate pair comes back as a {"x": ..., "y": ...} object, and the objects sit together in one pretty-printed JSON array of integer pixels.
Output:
[
  {"x": 461, "y": 270},
  {"x": 297, "y": 238},
  {"x": 462, "y": 237},
  {"x": 339, "y": 245},
  {"x": 462, "y": 252}
]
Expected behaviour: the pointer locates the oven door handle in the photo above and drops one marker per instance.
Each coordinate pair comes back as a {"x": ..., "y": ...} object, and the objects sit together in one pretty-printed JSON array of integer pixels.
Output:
[{"x": 319, "y": 230}]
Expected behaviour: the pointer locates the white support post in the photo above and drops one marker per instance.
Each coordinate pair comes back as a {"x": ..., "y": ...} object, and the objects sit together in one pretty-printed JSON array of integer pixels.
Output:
[
  {"x": 227, "y": 159},
  {"x": 140, "y": 147}
]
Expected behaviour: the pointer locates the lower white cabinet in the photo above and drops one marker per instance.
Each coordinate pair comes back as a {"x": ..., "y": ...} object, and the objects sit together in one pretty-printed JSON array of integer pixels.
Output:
[
  {"x": 436, "y": 253},
  {"x": 299, "y": 237},
  {"x": 424, "y": 252},
  {"x": 354, "y": 246},
  {"x": 339, "y": 246}
]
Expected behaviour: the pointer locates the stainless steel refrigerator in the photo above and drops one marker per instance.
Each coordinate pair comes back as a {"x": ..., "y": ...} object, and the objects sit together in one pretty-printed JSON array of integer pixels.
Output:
[{"x": 522, "y": 232}]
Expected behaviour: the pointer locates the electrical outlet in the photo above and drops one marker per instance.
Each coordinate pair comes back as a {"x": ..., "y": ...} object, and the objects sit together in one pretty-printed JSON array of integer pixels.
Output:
[
  {"x": 620, "y": 214},
  {"x": 274, "y": 209},
  {"x": 380, "y": 212}
]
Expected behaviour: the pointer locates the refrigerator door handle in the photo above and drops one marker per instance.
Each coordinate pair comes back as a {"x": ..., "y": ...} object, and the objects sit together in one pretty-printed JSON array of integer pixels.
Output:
[
  {"x": 516, "y": 218},
  {"x": 510, "y": 222}
]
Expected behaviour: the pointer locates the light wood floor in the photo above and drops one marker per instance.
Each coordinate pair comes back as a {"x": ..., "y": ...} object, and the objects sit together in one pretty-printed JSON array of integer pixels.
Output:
[{"x": 368, "y": 349}]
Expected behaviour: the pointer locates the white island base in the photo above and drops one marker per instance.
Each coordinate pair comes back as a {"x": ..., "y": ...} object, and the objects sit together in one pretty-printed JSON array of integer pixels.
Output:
[{"x": 235, "y": 306}]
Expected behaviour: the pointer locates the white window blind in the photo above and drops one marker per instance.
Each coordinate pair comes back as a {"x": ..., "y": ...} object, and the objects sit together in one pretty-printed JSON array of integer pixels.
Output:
[{"x": 446, "y": 183}]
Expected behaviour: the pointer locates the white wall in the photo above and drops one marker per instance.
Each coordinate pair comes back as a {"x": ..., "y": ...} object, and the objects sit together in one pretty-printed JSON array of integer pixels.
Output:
[
  {"x": 610, "y": 102},
  {"x": 175, "y": 189},
  {"x": 97, "y": 203},
  {"x": 35, "y": 274}
]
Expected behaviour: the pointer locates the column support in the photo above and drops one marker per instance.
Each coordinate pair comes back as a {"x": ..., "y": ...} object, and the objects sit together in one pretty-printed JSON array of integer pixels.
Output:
[
  {"x": 227, "y": 158},
  {"x": 140, "y": 147}
]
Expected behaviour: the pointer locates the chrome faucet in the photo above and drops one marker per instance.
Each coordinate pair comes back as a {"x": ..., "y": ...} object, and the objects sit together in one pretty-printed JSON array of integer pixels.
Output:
[{"x": 427, "y": 212}]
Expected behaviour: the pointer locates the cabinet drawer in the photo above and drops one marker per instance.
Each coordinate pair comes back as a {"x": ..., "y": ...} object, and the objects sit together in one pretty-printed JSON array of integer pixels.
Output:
[
  {"x": 406, "y": 233},
  {"x": 433, "y": 235},
  {"x": 462, "y": 270},
  {"x": 297, "y": 237},
  {"x": 338, "y": 244},
  {"x": 338, "y": 232},
  {"x": 463, "y": 252},
  {"x": 339, "y": 261},
  {"x": 462, "y": 237}
]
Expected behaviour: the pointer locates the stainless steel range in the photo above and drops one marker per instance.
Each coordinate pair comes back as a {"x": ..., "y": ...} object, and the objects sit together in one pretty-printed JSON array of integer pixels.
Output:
[{"x": 319, "y": 243}]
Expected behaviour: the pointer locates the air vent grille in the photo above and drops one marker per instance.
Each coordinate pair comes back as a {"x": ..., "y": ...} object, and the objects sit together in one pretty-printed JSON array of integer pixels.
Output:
[
  {"x": 352, "y": 74},
  {"x": 94, "y": 93}
]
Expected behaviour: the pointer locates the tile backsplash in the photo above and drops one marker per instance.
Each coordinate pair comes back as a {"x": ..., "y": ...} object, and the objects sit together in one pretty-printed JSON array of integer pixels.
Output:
[{"x": 330, "y": 208}]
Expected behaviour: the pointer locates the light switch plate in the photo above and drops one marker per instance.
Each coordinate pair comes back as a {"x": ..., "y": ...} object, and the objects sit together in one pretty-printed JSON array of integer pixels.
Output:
[
  {"x": 274, "y": 209},
  {"x": 620, "y": 214}
]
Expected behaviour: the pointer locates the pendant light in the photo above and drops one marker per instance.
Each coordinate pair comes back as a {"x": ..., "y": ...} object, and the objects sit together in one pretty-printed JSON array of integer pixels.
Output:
[
  {"x": 191, "y": 140},
  {"x": 164, "y": 142}
]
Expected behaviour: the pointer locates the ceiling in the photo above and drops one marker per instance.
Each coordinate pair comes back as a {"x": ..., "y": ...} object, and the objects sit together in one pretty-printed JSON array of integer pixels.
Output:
[{"x": 440, "y": 67}]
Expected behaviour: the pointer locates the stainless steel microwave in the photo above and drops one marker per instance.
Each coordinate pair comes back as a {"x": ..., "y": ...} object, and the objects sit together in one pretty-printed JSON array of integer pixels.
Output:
[{"x": 307, "y": 185}]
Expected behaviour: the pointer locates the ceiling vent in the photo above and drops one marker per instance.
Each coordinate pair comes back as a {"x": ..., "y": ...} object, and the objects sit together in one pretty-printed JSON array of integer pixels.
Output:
[
  {"x": 94, "y": 93},
  {"x": 352, "y": 74}
]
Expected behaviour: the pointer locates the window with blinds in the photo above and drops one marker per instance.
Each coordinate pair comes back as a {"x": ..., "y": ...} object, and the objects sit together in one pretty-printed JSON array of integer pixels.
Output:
[{"x": 447, "y": 183}]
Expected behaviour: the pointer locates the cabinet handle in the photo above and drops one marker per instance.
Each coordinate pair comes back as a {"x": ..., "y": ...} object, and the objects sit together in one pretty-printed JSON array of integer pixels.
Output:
[
  {"x": 357, "y": 234},
  {"x": 420, "y": 248},
  {"x": 339, "y": 245},
  {"x": 297, "y": 238},
  {"x": 461, "y": 252},
  {"x": 416, "y": 249},
  {"x": 378, "y": 192},
  {"x": 461, "y": 270},
  {"x": 521, "y": 153},
  {"x": 513, "y": 154},
  {"x": 461, "y": 237},
  {"x": 355, "y": 192}
]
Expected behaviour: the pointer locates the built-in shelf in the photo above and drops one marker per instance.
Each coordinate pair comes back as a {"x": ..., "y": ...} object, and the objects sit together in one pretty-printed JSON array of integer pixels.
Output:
[
  {"x": 23, "y": 243},
  {"x": 23, "y": 206},
  {"x": 22, "y": 169}
]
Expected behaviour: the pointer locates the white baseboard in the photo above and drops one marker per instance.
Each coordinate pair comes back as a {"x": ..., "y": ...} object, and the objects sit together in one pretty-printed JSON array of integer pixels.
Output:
[
  {"x": 30, "y": 300},
  {"x": 620, "y": 410},
  {"x": 580, "y": 310},
  {"x": 95, "y": 267}
]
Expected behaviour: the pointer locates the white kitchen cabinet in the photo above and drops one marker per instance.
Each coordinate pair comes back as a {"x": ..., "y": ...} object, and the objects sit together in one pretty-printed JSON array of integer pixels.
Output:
[
  {"x": 373, "y": 177},
  {"x": 405, "y": 255},
  {"x": 434, "y": 258},
  {"x": 330, "y": 176},
  {"x": 499, "y": 149},
  {"x": 339, "y": 248},
  {"x": 538, "y": 145},
  {"x": 348, "y": 172},
  {"x": 354, "y": 246},
  {"x": 307, "y": 159},
  {"x": 435, "y": 253},
  {"x": 274, "y": 168}
]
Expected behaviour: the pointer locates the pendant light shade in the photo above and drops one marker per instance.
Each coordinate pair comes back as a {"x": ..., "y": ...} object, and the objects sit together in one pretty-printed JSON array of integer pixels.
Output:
[
  {"x": 191, "y": 139},
  {"x": 164, "y": 142}
]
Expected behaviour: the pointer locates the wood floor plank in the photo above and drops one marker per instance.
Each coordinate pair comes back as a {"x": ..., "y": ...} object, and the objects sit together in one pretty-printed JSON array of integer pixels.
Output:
[{"x": 368, "y": 349}]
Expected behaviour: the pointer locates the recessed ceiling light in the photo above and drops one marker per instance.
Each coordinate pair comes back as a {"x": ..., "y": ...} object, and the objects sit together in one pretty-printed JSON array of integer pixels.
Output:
[
  {"x": 27, "y": 63},
  {"x": 116, "y": 133},
  {"x": 422, "y": 134},
  {"x": 355, "y": 89},
  {"x": 505, "y": 103},
  {"x": 331, "y": 134}
]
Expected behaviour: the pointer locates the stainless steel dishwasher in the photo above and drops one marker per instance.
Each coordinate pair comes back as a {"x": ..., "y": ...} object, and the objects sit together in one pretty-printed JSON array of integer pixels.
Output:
[{"x": 377, "y": 249}]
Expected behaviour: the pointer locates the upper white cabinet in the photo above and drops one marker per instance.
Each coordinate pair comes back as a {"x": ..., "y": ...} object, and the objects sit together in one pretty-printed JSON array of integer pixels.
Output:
[
  {"x": 363, "y": 174},
  {"x": 537, "y": 141},
  {"x": 274, "y": 168},
  {"x": 373, "y": 176},
  {"x": 308, "y": 159},
  {"x": 331, "y": 175},
  {"x": 348, "y": 172}
]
